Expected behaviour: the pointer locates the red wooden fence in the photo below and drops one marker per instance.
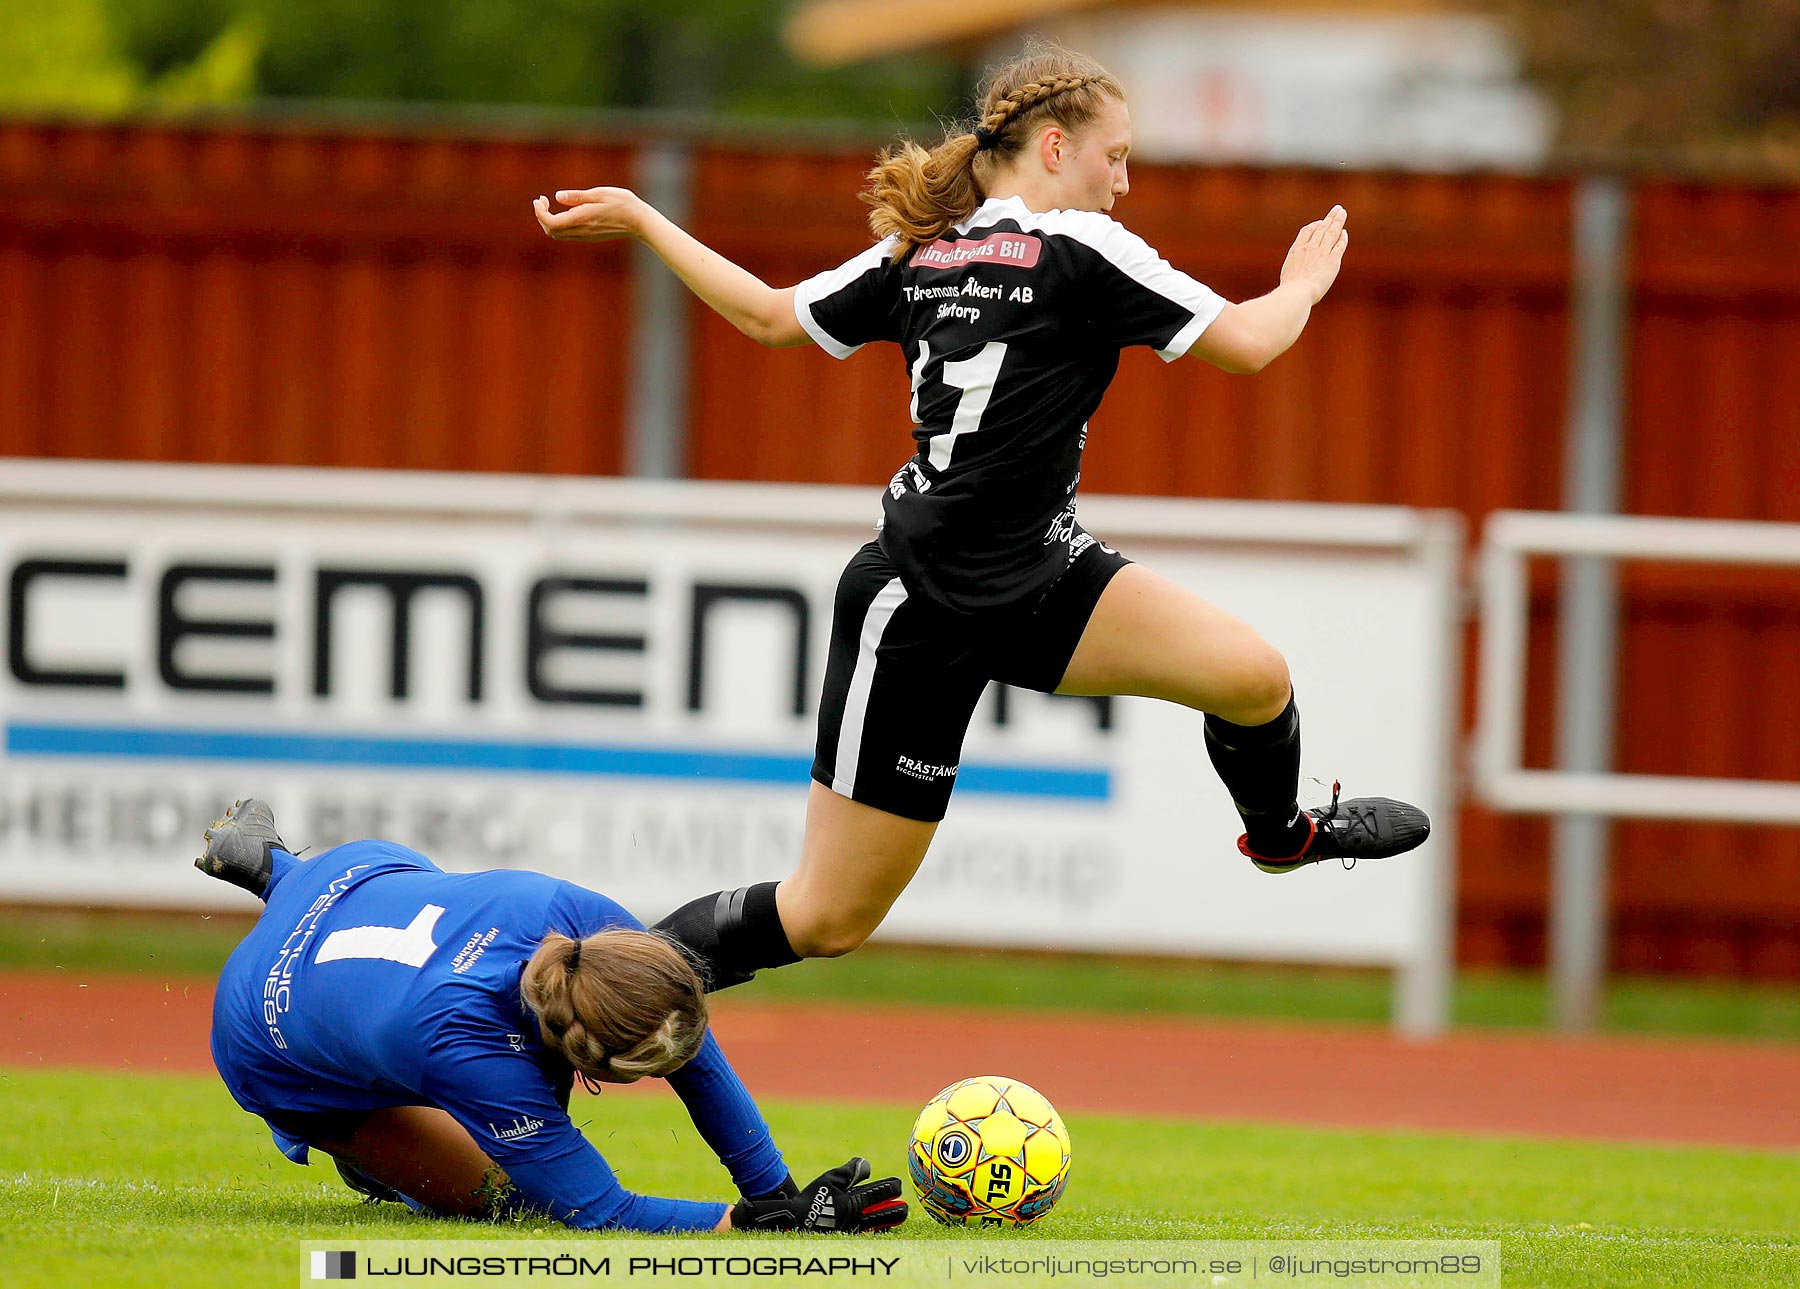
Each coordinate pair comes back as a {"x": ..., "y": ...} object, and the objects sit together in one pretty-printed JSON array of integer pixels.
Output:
[{"x": 330, "y": 297}]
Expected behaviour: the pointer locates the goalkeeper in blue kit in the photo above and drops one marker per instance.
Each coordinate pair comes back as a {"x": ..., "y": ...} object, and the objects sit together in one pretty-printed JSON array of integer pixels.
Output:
[{"x": 425, "y": 1030}]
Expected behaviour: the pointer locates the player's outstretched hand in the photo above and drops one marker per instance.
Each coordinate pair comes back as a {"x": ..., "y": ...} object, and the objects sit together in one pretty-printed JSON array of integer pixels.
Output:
[
  {"x": 1317, "y": 253},
  {"x": 842, "y": 1200},
  {"x": 594, "y": 214}
]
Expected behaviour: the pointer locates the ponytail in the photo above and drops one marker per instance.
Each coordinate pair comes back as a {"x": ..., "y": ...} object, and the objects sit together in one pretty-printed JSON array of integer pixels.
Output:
[
  {"x": 618, "y": 1005},
  {"x": 916, "y": 196}
]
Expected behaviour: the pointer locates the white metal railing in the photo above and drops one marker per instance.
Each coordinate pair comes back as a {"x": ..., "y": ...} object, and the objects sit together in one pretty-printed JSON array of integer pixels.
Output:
[{"x": 1510, "y": 538}]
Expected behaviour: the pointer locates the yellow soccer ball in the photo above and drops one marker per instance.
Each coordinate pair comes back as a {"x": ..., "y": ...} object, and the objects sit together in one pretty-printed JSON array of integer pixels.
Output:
[{"x": 988, "y": 1151}]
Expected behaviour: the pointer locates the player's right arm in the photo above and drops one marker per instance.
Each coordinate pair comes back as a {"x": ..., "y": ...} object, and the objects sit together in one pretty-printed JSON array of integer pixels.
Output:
[
  {"x": 503, "y": 1102},
  {"x": 760, "y": 311},
  {"x": 505, "y": 1105},
  {"x": 1247, "y": 337}
]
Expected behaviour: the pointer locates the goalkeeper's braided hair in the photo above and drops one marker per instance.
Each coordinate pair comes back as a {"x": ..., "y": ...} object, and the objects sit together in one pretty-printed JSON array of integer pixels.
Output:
[
  {"x": 619, "y": 1005},
  {"x": 917, "y": 195}
]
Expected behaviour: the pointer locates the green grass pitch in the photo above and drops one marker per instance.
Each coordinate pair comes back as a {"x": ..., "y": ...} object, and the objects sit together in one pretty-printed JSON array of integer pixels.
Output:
[{"x": 160, "y": 1180}]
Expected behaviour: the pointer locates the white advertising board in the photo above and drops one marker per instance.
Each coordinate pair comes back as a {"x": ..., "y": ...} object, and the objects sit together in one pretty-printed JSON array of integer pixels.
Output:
[{"x": 616, "y": 683}]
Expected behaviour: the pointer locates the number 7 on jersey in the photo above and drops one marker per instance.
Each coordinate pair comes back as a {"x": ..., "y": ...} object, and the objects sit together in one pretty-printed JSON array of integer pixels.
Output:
[{"x": 975, "y": 377}]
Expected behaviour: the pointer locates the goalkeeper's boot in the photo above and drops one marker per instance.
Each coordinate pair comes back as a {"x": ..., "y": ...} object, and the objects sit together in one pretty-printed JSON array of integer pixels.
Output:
[
  {"x": 238, "y": 846},
  {"x": 1361, "y": 828},
  {"x": 363, "y": 1184}
]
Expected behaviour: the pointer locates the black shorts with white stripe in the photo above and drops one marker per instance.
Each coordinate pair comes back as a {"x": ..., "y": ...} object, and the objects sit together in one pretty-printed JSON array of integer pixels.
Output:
[{"x": 905, "y": 674}]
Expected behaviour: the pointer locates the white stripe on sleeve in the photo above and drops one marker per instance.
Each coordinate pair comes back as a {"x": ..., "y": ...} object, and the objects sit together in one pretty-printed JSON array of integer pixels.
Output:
[
  {"x": 1125, "y": 251},
  {"x": 1202, "y": 319},
  {"x": 820, "y": 285}
]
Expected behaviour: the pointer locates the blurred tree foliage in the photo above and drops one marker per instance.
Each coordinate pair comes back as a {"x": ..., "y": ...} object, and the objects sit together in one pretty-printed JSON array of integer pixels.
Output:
[
  {"x": 63, "y": 55},
  {"x": 719, "y": 56},
  {"x": 71, "y": 55},
  {"x": 1688, "y": 81},
  {"x": 1696, "y": 82}
]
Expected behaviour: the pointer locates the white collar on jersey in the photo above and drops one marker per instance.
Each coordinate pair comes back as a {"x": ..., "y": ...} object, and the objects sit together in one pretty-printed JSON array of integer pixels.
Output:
[{"x": 996, "y": 208}]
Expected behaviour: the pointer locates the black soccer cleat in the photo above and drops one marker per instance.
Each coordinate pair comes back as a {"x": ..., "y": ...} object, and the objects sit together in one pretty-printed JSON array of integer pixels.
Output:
[
  {"x": 363, "y": 1184},
  {"x": 1361, "y": 828},
  {"x": 238, "y": 846}
]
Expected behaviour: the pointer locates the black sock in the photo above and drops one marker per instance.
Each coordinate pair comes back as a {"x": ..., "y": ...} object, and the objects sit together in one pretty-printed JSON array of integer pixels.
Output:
[
  {"x": 731, "y": 935},
  {"x": 1260, "y": 765}
]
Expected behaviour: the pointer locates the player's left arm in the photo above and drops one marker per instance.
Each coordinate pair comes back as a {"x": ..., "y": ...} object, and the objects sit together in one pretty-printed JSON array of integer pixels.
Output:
[
  {"x": 843, "y": 1199},
  {"x": 716, "y": 1098},
  {"x": 1248, "y": 337},
  {"x": 727, "y": 1118}
]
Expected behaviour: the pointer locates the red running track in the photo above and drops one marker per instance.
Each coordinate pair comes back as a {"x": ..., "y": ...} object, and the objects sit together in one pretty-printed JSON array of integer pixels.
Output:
[{"x": 1351, "y": 1076}]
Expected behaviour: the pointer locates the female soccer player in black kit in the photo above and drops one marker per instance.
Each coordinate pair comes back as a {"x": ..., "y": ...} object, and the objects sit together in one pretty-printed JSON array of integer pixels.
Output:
[{"x": 1010, "y": 292}]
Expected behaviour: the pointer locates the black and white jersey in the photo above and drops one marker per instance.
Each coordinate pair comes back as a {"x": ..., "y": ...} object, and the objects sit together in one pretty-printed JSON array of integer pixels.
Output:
[{"x": 1011, "y": 324}]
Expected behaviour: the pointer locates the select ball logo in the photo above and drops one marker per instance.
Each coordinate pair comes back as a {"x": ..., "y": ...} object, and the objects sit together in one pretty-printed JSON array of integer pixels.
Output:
[
  {"x": 954, "y": 1150},
  {"x": 988, "y": 1152}
]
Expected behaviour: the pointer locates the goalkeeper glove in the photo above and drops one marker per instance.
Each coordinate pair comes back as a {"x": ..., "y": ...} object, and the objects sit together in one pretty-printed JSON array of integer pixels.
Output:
[{"x": 842, "y": 1200}]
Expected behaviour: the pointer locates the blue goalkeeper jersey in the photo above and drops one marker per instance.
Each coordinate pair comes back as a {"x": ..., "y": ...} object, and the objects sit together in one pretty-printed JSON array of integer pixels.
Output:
[{"x": 374, "y": 979}]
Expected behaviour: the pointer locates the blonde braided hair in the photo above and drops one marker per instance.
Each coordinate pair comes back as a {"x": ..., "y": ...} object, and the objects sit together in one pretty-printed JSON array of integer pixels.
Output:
[
  {"x": 619, "y": 1005},
  {"x": 917, "y": 195},
  {"x": 1023, "y": 99}
]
